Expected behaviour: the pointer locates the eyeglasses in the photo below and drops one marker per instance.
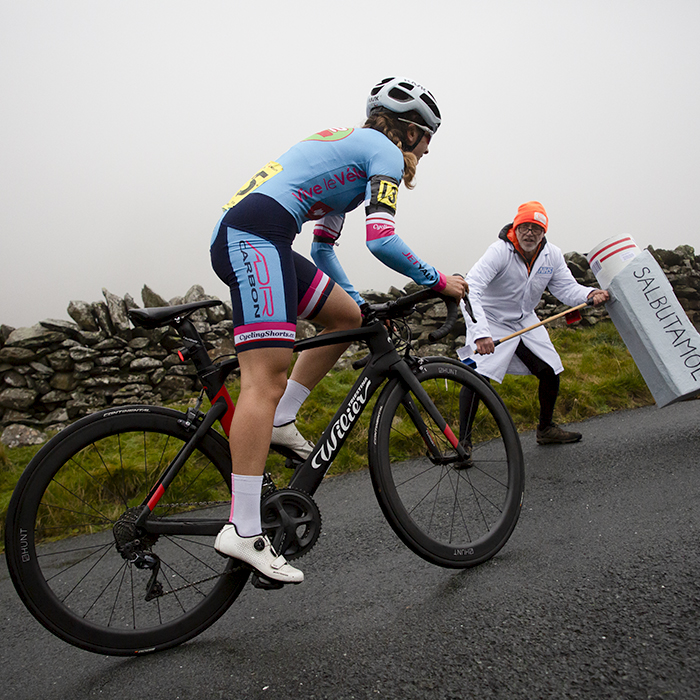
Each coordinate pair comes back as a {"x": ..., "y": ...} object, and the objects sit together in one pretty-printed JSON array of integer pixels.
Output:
[
  {"x": 534, "y": 228},
  {"x": 428, "y": 132}
]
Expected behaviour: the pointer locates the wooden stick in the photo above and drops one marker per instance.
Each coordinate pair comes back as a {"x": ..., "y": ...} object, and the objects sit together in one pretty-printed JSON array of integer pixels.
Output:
[{"x": 541, "y": 323}]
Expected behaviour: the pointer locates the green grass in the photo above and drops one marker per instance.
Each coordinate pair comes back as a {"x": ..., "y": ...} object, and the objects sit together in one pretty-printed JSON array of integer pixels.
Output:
[
  {"x": 12, "y": 464},
  {"x": 600, "y": 376}
]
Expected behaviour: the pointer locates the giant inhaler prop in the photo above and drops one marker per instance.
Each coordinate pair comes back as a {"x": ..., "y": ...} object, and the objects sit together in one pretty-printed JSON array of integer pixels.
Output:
[{"x": 653, "y": 325}]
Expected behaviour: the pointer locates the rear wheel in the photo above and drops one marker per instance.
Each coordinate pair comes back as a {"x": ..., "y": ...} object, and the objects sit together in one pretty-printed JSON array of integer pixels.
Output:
[
  {"x": 450, "y": 512},
  {"x": 76, "y": 557}
]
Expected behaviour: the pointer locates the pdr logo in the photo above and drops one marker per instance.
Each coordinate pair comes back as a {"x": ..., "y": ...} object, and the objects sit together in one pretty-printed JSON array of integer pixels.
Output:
[{"x": 258, "y": 278}]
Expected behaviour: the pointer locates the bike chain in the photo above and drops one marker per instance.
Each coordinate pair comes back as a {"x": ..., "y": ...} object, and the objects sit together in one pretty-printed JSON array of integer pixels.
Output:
[
  {"x": 195, "y": 583},
  {"x": 194, "y": 503},
  {"x": 268, "y": 487}
]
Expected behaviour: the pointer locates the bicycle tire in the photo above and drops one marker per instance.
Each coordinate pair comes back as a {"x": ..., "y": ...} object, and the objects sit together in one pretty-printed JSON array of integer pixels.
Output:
[
  {"x": 449, "y": 515},
  {"x": 79, "y": 586}
]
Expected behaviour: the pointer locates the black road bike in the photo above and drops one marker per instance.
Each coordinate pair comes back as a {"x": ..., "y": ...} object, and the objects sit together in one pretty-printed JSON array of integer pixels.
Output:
[{"x": 110, "y": 551}]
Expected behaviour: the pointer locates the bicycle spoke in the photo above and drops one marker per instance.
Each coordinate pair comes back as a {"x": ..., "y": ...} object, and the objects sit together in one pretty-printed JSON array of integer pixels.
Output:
[
  {"x": 200, "y": 560},
  {"x": 116, "y": 597},
  {"x": 84, "y": 577},
  {"x": 101, "y": 550},
  {"x": 96, "y": 448},
  {"x": 77, "y": 498}
]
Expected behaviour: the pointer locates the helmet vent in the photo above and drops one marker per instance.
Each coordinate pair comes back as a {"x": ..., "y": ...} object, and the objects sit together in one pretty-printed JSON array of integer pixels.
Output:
[
  {"x": 379, "y": 86},
  {"x": 431, "y": 103},
  {"x": 399, "y": 95}
]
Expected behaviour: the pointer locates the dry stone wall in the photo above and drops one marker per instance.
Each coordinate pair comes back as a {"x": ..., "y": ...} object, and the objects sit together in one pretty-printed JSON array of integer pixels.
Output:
[{"x": 57, "y": 371}]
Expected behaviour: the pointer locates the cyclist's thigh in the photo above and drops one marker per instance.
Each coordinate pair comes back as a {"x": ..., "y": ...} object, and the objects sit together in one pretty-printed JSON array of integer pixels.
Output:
[
  {"x": 313, "y": 287},
  {"x": 261, "y": 275}
]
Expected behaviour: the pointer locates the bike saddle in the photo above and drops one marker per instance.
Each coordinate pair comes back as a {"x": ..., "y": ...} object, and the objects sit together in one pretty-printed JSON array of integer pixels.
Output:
[{"x": 163, "y": 315}]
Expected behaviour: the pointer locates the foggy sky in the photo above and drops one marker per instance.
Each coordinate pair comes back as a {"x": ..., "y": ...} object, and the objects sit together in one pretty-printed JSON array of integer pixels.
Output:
[{"x": 127, "y": 125}]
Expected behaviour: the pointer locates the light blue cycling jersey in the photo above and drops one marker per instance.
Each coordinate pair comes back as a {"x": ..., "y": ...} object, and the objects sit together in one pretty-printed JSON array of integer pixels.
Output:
[
  {"x": 329, "y": 172},
  {"x": 322, "y": 178}
]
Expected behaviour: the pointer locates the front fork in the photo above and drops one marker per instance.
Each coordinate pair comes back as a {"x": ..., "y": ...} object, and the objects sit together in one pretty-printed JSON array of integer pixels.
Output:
[{"x": 407, "y": 373}]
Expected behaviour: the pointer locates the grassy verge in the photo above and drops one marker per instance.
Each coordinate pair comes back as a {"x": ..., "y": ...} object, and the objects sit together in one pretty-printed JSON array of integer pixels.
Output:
[{"x": 600, "y": 376}]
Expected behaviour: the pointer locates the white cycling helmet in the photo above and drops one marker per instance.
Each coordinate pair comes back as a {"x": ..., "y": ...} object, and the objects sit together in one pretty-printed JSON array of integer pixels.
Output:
[{"x": 403, "y": 95}]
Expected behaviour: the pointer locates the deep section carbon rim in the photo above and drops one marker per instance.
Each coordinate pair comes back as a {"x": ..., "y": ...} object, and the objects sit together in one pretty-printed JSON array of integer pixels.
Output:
[
  {"x": 449, "y": 512},
  {"x": 63, "y": 546}
]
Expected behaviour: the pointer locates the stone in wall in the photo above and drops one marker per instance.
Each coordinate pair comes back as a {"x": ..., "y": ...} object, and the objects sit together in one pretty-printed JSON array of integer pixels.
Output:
[
  {"x": 151, "y": 299},
  {"x": 18, "y": 435},
  {"x": 81, "y": 312},
  {"x": 116, "y": 306}
]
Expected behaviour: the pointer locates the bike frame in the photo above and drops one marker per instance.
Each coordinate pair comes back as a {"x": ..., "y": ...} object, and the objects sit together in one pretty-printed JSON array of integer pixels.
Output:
[{"x": 385, "y": 363}]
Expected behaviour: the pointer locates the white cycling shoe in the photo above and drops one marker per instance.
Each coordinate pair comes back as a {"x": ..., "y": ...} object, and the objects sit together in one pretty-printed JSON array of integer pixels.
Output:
[
  {"x": 288, "y": 436},
  {"x": 258, "y": 553}
]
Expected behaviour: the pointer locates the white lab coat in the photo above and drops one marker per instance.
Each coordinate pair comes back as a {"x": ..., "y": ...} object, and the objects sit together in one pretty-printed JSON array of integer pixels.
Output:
[{"x": 503, "y": 297}]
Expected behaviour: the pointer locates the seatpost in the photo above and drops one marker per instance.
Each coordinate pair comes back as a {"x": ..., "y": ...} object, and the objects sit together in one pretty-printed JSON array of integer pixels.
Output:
[{"x": 193, "y": 347}]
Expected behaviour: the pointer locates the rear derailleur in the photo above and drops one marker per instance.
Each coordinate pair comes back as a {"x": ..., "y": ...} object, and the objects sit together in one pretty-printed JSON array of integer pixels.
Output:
[{"x": 135, "y": 548}]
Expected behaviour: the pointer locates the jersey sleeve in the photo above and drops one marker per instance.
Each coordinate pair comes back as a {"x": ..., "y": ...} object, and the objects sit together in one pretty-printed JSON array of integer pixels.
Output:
[
  {"x": 329, "y": 228},
  {"x": 382, "y": 240},
  {"x": 388, "y": 247}
]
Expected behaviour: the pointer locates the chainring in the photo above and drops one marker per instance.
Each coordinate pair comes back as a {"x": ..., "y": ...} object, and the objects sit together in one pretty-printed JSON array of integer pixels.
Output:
[{"x": 292, "y": 521}]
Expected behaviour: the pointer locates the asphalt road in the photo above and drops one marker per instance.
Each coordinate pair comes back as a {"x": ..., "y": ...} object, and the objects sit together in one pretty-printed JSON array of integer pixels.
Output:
[{"x": 596, "y": 595}]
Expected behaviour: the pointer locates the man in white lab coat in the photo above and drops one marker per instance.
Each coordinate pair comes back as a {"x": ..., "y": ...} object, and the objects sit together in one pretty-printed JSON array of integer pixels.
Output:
[{"x": 505, "y": 286}]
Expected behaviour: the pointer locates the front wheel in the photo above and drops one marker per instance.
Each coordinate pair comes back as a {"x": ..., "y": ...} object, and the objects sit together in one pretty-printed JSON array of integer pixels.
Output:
[
  {"x": 453, "y": 513},
  {"x": 76, "y": 557}
]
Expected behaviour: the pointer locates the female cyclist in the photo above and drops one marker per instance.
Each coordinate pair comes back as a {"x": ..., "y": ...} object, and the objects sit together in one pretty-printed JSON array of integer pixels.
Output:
[{"x": 320, "y": 178}]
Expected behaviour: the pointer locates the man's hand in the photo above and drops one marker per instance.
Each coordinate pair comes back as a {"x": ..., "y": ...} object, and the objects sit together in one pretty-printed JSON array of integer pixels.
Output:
[
  {"x": 599, "y": 296},
  {"x": 485, "y": 346}
]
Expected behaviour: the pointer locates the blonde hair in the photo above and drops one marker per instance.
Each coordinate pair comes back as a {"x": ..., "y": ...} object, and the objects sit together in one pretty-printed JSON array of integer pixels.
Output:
[{"x": 388, "y": 124}]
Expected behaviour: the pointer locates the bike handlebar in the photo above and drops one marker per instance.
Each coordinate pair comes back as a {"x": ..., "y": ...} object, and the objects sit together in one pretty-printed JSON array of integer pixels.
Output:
[{"x": 405, "y": 306}]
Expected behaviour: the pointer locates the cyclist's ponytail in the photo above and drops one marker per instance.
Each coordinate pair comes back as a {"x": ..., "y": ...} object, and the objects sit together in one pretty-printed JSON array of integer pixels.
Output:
[{"x": 397, "y": 132}]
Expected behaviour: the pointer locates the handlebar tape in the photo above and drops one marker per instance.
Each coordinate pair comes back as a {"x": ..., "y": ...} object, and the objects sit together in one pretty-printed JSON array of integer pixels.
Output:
[{"x": 452, "y": 315}]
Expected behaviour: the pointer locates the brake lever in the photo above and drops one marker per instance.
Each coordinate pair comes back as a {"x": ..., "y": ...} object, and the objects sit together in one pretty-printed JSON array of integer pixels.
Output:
[
  {"x": 468, "y": 307},
  {"x": 465, "y": 299}
]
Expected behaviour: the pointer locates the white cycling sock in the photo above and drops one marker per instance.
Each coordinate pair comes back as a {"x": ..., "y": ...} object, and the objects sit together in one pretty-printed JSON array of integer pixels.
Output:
[
  {"x": 294, "y": 396},
  {"x": 245, "y": 504}
]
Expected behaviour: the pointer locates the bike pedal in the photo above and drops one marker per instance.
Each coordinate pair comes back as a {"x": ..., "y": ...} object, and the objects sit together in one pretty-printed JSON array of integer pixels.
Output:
[{"x": 264, "y": 583}]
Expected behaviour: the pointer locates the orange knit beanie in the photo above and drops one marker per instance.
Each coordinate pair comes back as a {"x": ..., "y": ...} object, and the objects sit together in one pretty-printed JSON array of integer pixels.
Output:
[{"x": 531, "y": 212}]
